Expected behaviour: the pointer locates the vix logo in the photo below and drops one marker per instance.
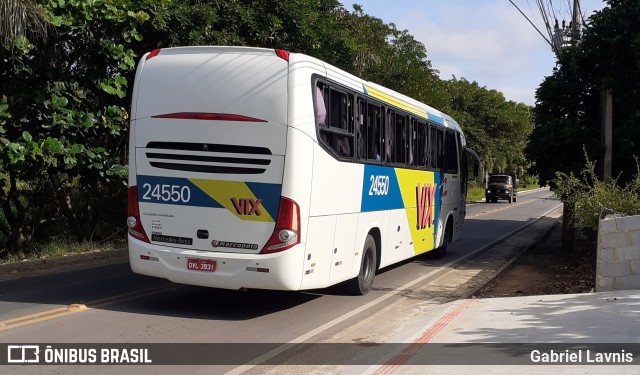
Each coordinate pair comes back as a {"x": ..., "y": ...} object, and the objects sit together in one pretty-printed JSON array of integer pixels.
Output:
[
  {"x": 247, "y": 206},
  {"x": 424, "y": 202}
]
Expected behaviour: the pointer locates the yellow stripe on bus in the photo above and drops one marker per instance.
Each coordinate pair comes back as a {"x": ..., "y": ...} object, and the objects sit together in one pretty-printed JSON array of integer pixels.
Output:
[
  {"x": 236, "y": 197},
  {"x": 413, "y": 186},
  {"x": 396, "y": 102}
]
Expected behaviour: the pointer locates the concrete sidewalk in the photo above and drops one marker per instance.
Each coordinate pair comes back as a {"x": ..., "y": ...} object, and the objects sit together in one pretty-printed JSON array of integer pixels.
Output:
[{"x": 520, "y": 325}]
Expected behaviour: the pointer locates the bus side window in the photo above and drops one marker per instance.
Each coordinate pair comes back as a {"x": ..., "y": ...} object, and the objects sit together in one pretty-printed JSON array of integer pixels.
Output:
[
  {"x": 373, "y": 138},
  {"x": 437, "y": 148},
  {"x": 321, "y": 107},
  {"x": 361, "y": 122},
  {"x": 440, "y": 142},
  {"x": 344, "y": 143},
  {"x": 337, "y": 129},
  {"x": 422, "y": 145},
  {"x": 389, "y": 126},
  {"x": 433, "y": 147},
  {"x": 413, "y": 142},
  {"x": 400, "y": 139},
  {"x": 451, "y": 152}
]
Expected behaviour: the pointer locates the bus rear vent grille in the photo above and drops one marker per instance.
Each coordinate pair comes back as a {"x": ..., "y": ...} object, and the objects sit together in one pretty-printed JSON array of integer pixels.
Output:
[{"x": 248, "y": 160}]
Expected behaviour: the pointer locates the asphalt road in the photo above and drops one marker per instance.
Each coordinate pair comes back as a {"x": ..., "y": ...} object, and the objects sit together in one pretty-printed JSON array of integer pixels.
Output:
[{"x": 110, "y": 304}]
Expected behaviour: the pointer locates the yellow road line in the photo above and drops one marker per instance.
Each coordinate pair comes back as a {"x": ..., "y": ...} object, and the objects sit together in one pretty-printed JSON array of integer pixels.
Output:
[
  {"x": 42, "y": 319},
  {"x": 73, "y": 308},
  {"x": 35, "y": 315}
]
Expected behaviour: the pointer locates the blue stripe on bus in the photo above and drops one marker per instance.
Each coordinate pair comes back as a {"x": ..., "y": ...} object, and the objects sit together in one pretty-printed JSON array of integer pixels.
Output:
[
  {"x": 436, "y": 119},
  {"x": 437, "y": 179},
  {"x": 147, "y": 192},
  {"x": 381, "y": 191},
  {"x": 270, "y": 195}
]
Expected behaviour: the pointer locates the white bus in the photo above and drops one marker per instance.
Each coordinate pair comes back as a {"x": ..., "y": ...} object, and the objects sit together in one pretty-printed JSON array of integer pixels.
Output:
[{"x": 259, "y": 168}]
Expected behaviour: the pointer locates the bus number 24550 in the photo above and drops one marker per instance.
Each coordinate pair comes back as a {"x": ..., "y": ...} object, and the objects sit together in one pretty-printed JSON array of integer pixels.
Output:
[
  {"x": 379, "y": 185},
  {"x": 166, "y": 193}
]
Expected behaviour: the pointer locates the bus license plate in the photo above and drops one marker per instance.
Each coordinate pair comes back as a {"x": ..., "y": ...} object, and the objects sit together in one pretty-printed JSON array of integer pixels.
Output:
[{"x": 205, "y": 265}]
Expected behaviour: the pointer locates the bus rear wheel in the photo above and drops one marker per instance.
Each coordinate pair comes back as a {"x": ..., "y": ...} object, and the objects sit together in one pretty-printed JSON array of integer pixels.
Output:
[
  {"x": 440, "y": 252},
  {"x": 362, "y": 283}
]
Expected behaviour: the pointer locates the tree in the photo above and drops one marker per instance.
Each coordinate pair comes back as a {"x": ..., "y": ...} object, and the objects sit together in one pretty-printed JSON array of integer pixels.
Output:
[
  {"x": 383, "y": 54},
  {"x": 566, "y": 117},
  {"x": 608, "y": 59},
  {"x": 495, "y": 128},
  {"x": 300, "y": 26},
  {"x": 62, "y": 117},
  {"x": 19, "y": 18},
  {"x": 567, "y": 113}
]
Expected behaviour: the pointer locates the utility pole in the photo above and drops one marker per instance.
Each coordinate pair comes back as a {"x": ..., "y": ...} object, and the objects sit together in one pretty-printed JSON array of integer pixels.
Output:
[
  {"x": 606, "y": 109},
  {"x": 575, "y": 25},
  {"x": 568, "y": 210},
  {"x": 606, "y": 137}
]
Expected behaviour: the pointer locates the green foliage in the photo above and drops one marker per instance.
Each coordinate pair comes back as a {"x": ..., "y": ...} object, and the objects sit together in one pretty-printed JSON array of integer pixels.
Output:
[
  {"x": 590, "y": 195},
  {"x": 383, "y": 54},
  {"x": 568, "y": 114},
  {"x": 19, "y": 18},
  {"x": 567, "y": 119},
  {"x": 495, "y": 128},
  {"x": 475, "y": 194},
  {"x": 527, "y": 182},
  {"x": 63, "y": 115}
]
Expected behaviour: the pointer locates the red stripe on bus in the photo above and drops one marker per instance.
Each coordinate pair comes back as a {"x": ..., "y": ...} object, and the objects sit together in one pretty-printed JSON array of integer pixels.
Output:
[{"x": 208, "y": 116}]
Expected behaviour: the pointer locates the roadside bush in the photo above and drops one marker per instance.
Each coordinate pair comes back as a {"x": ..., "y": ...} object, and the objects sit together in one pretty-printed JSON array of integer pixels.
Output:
[
  {"x": 589, "y": 195},
  {"x": 528, "y": 181}
]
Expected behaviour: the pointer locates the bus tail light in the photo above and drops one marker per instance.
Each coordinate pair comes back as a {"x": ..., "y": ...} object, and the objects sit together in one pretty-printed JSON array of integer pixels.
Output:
[
  {"x": 286, "y": 234},
  {"x": 284, "y": 55},
  {"x": 153, "y": 54},
  {"x": 133, "y": 213}
]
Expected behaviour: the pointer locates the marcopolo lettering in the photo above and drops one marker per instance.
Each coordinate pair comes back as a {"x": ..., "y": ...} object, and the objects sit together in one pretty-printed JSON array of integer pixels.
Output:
[{"x": 234, "y": 245}]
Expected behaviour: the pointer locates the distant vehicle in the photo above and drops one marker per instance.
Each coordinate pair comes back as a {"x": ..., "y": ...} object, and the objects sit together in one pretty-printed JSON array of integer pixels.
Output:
[
  {"x": 257, "y": 168},
  {"x": 501, "y": 186}
]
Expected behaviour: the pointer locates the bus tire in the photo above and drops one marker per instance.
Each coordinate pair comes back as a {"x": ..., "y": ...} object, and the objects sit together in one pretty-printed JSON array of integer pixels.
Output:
[
  {"x": 361, "y": 284},
  {"x": 440, "y": 252}
]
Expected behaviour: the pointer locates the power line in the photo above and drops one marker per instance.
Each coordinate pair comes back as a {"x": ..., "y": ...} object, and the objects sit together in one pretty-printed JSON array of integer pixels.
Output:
[
  {"x": 532, "y": 24},
  {"x": 558, "y": 38}
]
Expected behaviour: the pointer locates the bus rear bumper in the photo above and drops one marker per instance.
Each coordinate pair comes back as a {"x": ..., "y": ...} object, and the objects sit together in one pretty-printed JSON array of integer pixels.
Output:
[{"x": 277, "y": 271}]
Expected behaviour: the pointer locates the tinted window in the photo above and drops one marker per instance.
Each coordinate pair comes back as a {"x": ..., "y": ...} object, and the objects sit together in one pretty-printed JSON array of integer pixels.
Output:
[
  {"x": 499, "y": 179},
  {"x": 451, "y": 152},
  {"x": 437, "y": 148},
  {"x": 334, "y": 119}
]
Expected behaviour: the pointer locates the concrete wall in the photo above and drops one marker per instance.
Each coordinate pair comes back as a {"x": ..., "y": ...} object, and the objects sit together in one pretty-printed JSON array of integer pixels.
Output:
[{"x": 618, "y": 263}]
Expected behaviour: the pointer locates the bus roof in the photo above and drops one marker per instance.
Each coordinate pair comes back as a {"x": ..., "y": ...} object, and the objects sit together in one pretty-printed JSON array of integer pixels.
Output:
[{"x": 367, "y": 88}]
